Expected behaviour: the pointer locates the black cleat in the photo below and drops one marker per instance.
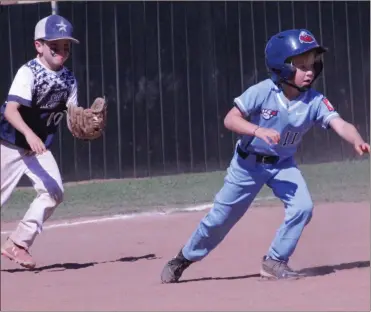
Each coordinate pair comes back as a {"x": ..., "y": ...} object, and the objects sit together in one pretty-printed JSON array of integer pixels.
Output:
[{"x": 174, "y": 269}]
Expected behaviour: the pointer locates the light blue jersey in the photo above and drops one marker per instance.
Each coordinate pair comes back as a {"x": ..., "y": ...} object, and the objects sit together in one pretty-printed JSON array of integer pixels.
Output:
[{"x": 267, "y": 107}]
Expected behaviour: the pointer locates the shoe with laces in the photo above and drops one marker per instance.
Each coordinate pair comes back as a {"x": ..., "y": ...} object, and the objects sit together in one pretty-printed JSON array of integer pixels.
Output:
[
  {"x": 174, "y": 269},
  {"x": 17, "y": 254},
  {"x": 274, "y": 270}
]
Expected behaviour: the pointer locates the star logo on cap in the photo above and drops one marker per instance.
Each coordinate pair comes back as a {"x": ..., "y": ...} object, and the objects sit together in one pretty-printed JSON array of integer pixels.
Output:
[{"x": 62, "y": 26}]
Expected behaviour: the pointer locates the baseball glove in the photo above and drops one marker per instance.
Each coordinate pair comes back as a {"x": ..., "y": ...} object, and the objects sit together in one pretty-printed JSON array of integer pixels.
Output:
[{"x": 87, "y": 123}]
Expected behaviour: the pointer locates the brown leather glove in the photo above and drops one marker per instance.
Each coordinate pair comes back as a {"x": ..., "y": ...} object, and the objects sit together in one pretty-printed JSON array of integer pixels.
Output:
[{"x": 88, "y": 123}]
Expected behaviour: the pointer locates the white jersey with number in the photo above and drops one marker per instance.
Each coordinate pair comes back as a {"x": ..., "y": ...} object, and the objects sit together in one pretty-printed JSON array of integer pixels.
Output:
[{"x": 43, "y": 95}]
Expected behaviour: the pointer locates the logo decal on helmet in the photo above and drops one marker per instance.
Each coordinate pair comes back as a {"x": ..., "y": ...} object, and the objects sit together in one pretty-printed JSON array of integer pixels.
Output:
[{"x": 304, "y": 37}]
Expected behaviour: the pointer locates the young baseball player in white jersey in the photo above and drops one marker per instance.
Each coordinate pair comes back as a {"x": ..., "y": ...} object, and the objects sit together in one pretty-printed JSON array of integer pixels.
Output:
[
  {"x": 281, "y": 110},
  {"x": 36, "y": 103}
]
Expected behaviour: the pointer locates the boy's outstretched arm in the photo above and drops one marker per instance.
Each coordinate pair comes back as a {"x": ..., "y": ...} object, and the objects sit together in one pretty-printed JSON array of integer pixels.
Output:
[{"x": 348, "y": 132}]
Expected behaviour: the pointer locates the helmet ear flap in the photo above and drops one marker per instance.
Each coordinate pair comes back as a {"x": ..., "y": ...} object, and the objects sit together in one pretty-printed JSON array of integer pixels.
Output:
[{"x": 286, "y": 72}]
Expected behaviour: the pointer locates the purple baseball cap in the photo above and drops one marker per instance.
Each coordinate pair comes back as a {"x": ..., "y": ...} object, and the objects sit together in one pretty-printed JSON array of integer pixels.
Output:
[{"x": 54, "y": 27}]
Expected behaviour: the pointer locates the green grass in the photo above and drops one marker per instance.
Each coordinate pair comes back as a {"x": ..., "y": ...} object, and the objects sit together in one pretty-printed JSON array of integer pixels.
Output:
[{"x": 328, "y": 182}]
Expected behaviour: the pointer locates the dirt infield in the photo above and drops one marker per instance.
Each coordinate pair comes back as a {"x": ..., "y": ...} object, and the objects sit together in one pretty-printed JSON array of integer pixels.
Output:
[{"x": 116, "y": 265}]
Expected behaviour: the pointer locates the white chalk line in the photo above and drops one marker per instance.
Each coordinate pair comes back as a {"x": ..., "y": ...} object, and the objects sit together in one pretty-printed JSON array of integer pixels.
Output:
[{"x": 131, "y": 216}]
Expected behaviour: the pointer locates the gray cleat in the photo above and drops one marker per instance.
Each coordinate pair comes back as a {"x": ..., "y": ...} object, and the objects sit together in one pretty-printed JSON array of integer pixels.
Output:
[
  {"x": 274, "y": 270},
  {"x": 174, "y": 269}
]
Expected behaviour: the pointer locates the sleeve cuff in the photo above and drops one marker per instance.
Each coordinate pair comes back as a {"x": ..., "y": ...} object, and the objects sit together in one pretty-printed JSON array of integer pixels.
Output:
[
  {"x": 20, "y": 100},
  {"x": 326, "y": 121},
  {"x": 238, "y": 103}
]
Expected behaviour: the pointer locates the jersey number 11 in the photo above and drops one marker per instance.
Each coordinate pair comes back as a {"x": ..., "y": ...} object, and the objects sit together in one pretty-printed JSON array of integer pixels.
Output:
[{"x": 290, "y": 138}]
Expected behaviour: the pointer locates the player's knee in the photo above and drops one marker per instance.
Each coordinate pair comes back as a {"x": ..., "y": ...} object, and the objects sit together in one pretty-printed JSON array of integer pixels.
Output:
[
  {"x": 306, "y": 210},
  {"x": 58, "y": 196},
  {"x": 218, "y": 221},
  {"x": 55, "y": 195}
]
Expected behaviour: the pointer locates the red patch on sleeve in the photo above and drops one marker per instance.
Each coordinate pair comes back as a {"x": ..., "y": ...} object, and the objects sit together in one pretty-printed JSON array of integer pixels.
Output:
[{"x": 328, "y": 104}]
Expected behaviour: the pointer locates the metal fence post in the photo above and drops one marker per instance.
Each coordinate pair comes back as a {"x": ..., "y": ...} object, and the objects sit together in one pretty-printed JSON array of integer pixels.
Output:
[{"x": 54, "y": 7}]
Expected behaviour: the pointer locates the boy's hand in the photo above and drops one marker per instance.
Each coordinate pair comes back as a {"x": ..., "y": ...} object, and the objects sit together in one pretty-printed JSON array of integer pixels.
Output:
[
  {"x": 35, "y": 143},
  {"x": 361, "y": 148},
  {"x": 267, "y": 135}
]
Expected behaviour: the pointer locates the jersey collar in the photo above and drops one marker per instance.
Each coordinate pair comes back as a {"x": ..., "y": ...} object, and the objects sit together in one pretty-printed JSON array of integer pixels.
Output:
[{"x": 285, "y": 103}]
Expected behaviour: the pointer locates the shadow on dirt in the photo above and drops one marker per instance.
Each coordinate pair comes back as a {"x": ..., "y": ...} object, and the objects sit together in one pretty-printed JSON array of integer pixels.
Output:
[
  {"x": 76, "y": 266},
  {"x": 308, "y": 272},
  {"x": 219, "y": 278},
  {"x": 328, "y": 269}
]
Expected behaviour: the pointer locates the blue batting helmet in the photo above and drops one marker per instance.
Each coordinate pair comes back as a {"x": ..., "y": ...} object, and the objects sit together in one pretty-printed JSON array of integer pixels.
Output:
[{"x": 286, "y": 44}]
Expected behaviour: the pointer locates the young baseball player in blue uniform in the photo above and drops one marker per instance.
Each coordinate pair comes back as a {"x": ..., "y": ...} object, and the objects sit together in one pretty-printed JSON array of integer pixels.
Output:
[
  {"x": 36, "y": 103},
  {"x": 281, "y": 110}
]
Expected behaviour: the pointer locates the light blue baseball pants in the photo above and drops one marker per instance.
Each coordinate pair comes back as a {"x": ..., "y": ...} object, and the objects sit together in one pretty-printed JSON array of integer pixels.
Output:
[{"x": 244, "y": 180}]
